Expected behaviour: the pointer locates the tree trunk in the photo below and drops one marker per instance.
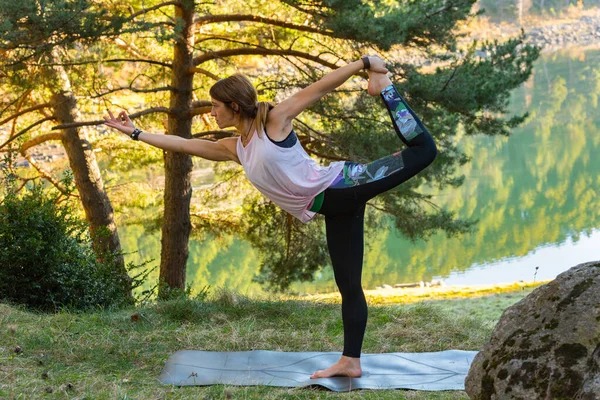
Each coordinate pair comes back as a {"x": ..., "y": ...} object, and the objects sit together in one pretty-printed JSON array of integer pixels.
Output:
[
  {"x": 520, "y": 7},
  {"x": 176, "y": 226},
  {"x": 96, "y": 204}
]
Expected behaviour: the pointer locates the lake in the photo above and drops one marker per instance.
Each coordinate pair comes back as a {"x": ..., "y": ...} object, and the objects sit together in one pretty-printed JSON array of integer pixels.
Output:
[{"x": 535, "y": 195}]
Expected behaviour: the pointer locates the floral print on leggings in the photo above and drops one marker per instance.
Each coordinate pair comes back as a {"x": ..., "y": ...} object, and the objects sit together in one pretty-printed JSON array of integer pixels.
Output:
[
  {"x": 400, "y": 113},
  {"x": 355, "y": 174},
  {"x": 406, "y": 127}
]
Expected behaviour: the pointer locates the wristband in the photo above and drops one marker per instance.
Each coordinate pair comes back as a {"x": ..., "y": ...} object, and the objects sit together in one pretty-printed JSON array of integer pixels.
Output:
[
  {"x": 366, "y": 62},
  {"x": 136, "y": 133}
]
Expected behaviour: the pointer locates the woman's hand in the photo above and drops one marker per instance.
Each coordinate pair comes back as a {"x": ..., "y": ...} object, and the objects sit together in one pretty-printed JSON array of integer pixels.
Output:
[
  {"x": 122, "y": 123},
  {"x": 377, "y": 65}
]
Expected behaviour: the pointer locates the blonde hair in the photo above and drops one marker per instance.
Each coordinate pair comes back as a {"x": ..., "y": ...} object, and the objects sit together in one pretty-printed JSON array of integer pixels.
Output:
[{"x": 238, "y": 89}]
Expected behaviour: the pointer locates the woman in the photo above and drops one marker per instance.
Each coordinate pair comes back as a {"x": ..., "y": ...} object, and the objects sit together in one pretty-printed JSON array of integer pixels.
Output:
[{"x": 278, "y": 166}]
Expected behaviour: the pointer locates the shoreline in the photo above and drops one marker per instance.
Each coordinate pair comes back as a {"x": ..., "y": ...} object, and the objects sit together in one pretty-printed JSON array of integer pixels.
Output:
[{"x": 404, "y": 295}]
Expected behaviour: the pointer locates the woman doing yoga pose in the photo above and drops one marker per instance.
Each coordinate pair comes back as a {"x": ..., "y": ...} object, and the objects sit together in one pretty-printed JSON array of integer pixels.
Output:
[{"x": 278, "y": 166}]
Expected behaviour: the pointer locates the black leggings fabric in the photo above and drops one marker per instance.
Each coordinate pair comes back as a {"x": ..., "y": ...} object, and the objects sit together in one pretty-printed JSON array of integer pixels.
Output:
[{"x": 344, "y": 208}]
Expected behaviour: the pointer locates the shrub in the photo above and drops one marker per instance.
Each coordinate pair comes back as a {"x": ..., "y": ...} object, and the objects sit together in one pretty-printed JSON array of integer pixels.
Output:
[{"x": 46, "y": 257}]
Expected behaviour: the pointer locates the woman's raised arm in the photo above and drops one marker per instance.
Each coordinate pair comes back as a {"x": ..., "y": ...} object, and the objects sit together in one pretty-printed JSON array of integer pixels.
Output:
[
  {"x": 222, "y": 150},
  {"x": 283, "y": 114}
]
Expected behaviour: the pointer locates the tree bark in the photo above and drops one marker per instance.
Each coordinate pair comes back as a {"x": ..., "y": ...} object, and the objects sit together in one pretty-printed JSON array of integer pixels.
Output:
[
  {"x": 176, "y": 226},
  {"x": 96, "y": 204}
]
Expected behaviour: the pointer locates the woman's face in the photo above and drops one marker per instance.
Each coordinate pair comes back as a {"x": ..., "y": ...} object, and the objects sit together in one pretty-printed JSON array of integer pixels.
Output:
[{"x": 223, "y": 114}]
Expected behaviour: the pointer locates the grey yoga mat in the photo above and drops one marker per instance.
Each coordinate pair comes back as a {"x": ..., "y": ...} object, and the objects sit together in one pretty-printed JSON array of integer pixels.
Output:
[{"x": 444, "y": 370}]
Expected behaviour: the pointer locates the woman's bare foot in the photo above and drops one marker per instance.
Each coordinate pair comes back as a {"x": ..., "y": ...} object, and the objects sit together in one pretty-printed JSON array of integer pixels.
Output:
[
  {"x": 377, "y": 82},
  {"x": 346, "y": 366}
]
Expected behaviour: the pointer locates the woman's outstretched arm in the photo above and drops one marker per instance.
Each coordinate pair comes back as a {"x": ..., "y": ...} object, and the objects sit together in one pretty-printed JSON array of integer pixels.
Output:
[
  {"x": 222, "y": 150},
  {"x": 283, "y": 114}
]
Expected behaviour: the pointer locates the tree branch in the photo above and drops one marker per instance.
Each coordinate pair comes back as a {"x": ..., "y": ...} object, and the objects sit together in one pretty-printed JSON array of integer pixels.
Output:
[
  {"x": 100, "y": 122},
  {"x": 244, "y": 51},
  {"x": 129, "y": 48},
  {"x": 24, "y": 182},
  {"x": 201, "y": 103},
  {"x": 30, "y": 109},
  {"x": 45, "y": 174},
  {"x": 138, "y": 60},
  {"x": 326, "y": 138},
  {"x": 204, "y": 72},
  {"x": 156, "y": 7},
  {"x": 451, "y": 78},
  {"x": 134, "y": 90},
  {"x": 200, "y": 110},
  {"x": 441, "y": 10},
  {"x": 24, "y": 131},
  {"x": 209, "y": 38},
  {"x": 323, "y": 156},
  {"x": 17, "y": 100},
  {"x": 18, "y": 109},
  {"x": 212, "y": 19},
  {"x": 200, "y": 107},
  {"x": 164, "y": 64},
  {"x": 40, "y": 139}
]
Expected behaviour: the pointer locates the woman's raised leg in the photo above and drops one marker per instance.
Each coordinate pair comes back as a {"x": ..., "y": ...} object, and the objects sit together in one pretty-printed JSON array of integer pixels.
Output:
[{"x": 369, "y": 180}]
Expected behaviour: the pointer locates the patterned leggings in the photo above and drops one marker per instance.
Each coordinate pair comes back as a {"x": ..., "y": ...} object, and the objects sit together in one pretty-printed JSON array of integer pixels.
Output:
[{"x": 344, "y": 208}]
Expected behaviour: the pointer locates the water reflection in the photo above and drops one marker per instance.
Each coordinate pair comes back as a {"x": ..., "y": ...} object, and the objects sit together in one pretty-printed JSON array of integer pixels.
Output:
[
  {"x": 541, "y": 264},
  {"x": 535, "y": 196},
  {"x": 530, "y": 192}
]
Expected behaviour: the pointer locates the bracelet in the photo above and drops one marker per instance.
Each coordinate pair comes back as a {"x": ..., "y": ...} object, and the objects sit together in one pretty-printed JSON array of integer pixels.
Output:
[
  {"x": 136, "y": 133},
  {"x": 366, "y": 62}
]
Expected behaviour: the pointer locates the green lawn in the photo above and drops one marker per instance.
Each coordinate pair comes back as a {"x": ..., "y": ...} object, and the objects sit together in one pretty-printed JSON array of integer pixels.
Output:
[{"x": 106, "y": 355}]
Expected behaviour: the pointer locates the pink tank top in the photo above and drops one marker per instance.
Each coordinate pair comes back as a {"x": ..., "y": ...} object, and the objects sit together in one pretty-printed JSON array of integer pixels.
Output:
[{"x": 286, "y": 176}]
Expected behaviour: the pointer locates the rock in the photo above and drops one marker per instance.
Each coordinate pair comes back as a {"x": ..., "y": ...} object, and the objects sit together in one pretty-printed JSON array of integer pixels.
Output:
[{"x": 547, "y": 346}]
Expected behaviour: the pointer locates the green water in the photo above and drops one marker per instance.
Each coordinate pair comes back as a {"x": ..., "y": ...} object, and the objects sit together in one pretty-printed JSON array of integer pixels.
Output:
[{"x": 535, "y": 195}]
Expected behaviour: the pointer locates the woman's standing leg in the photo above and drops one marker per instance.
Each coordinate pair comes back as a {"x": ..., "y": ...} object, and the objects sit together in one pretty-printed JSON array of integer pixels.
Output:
[
  {"x": 345, "y": 241},
  {"x": 344, "y": 208}
]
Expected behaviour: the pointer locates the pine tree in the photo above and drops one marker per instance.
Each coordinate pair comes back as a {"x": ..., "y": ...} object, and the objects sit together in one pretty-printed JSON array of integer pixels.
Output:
[{"x": 35, "y": 41}]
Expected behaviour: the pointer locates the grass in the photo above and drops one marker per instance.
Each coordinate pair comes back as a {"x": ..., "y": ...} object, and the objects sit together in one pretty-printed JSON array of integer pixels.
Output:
[{"x": 112, "y": 355}]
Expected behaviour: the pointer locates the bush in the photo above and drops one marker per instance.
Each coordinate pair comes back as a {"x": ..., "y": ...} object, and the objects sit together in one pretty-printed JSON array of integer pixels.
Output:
[{"x": 46, "y": 257}]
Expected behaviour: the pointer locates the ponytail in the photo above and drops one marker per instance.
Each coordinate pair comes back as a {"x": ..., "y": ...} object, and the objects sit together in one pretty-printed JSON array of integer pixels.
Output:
[{"x": 262, "y": 111}]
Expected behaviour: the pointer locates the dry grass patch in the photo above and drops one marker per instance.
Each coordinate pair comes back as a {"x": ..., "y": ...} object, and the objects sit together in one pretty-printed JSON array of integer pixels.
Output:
[{"x": 419, "y": 294}]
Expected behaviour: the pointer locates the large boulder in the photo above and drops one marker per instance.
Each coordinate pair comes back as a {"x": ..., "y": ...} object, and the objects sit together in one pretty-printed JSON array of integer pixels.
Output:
[{"x": 547, "y": 346}]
